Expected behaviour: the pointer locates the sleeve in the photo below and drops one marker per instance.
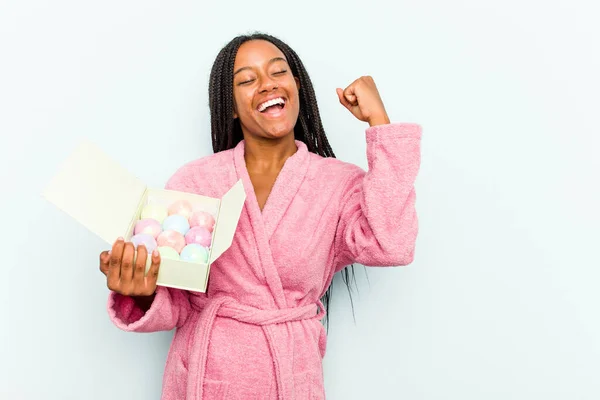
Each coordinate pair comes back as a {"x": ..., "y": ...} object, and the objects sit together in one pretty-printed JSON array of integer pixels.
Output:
[
  {"x": 170, "y": 307},
  {"x": 378, "y": 222}
]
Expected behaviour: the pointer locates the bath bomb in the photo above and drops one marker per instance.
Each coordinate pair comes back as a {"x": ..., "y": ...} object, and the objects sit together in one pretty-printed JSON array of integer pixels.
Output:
[
  {"x": 172, "y": 239},
  {"x": 149, "y": 226},
  {"x": 177, "y": 223},
  {"x": 199, "y": 235},
  {"x": 181, "y": 207},
  {"x": 202, "y": 219},
  {"x": 145, "y": 239},
  {"x": 154, "y": 211},
  {"x": 194, "y": 253},
  {"x": 168, "y": 252}
]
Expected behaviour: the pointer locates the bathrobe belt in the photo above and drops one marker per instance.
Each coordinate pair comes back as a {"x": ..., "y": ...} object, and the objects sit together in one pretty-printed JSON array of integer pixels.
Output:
[{"x": 227, "y": 307}]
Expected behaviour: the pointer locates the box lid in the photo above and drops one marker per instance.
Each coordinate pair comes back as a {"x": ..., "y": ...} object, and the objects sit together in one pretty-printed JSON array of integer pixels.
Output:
[
  {"x": 96, "y": 191},
  {"x": 229, "y": 214}
]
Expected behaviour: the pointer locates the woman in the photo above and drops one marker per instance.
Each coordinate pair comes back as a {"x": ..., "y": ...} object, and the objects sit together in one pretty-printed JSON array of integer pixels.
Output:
[{"x": 256, "y": 333}]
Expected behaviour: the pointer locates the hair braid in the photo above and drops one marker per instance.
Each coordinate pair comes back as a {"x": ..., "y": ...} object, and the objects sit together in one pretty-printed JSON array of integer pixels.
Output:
[{"x": 226, "y": 132}]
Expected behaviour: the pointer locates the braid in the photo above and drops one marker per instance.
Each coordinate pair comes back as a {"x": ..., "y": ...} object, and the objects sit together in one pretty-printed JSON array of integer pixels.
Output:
[{"x": 226, "y": 132}]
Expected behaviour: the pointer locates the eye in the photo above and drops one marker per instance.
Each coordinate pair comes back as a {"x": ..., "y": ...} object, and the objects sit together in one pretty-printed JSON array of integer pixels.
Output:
[
  {"x": 246, "y": 82},
  {"x": 280, "y": 72}
]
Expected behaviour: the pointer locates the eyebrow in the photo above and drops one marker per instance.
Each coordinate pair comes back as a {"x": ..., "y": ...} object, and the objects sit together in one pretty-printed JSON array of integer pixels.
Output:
[{"x": 271, "y": 61}]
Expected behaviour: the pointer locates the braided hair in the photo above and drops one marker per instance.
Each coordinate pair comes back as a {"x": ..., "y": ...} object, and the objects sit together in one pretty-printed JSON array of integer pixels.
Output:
[{"x": 226, "y": 132}]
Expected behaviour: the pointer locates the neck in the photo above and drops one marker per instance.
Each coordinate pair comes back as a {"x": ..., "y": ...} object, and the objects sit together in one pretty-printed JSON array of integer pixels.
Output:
[{"x": 268, "y": 155}]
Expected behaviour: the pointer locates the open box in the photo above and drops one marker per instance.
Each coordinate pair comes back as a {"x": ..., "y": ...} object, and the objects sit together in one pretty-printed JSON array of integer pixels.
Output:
[{"x": 106, "y": 199}]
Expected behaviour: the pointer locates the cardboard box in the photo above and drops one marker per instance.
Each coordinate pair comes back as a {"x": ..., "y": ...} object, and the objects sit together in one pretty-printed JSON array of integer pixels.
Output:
[{"x": 108, "y": 200}]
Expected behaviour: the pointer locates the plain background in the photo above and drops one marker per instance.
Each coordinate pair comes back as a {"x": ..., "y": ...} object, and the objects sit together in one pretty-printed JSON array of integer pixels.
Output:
[{"x": 502, "y": 300}]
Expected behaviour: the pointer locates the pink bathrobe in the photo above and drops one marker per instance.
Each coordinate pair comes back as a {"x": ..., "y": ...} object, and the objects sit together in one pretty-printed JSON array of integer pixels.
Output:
[{"x": 256, "y": 333}]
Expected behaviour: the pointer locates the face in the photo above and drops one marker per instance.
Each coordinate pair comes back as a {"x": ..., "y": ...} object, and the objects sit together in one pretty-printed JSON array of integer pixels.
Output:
[{"x": 264, "y": 90}]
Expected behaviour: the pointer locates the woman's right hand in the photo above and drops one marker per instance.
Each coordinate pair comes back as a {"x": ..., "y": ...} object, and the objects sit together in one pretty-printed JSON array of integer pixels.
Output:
[{"x": 126, "y": 277}]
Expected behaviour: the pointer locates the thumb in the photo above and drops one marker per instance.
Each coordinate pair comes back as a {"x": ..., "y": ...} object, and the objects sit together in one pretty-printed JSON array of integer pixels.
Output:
[
  {"x": 343, "y": 100},
  {"x": 104, "y": 259}
]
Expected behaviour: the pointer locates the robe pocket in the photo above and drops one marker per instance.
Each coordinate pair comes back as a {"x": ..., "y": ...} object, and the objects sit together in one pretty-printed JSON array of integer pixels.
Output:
[
  {"x": 216, "y": 390},
  {"x": 180, "y": 379},
  {"x": 308, "y": 386},
  {"x": 322, "y": 341},
  {"x": 175, "y": 379},
  {"x": 212, "y": 389}
]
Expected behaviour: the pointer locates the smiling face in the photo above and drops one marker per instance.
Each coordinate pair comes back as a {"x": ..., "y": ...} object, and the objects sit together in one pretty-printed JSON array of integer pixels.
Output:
[{"x": 264, "y": 90}]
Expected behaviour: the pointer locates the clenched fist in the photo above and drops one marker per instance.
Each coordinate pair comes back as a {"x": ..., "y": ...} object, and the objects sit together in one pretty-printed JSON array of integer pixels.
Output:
[{"x": 362, "y": 99}]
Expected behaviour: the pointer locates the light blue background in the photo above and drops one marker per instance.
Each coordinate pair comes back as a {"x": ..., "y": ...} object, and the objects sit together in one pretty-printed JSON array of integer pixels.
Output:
[{"x": 502, "y": 299}]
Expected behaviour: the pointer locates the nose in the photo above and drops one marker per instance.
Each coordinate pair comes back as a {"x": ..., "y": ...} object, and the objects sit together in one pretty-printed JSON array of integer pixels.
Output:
[{"x": 267, "y": 84}]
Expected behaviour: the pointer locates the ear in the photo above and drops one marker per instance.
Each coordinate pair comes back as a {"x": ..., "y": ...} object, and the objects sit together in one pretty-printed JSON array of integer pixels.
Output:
[
  {"x": 297, "y": 82},
  {"x": 235, "y": 114}
]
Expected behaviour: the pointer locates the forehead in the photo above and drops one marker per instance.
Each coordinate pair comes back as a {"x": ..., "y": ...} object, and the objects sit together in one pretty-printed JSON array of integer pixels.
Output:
[{"x": 256, "y": 53}]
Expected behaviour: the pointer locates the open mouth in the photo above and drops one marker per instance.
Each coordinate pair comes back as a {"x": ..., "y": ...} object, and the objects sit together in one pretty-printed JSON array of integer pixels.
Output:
[{"x": 272, "y": 106}]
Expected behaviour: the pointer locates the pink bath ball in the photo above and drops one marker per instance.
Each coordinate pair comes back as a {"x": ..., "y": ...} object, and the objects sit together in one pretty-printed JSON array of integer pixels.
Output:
[
  {"x": 149, "y": 226},
  {"x": 203, "y": 219},
  {"x": 181, "y": 207},
  {"x": 198, "y": 235},
  {"x": 145, "y": 239},
  {"x": 171, "y": 239}
]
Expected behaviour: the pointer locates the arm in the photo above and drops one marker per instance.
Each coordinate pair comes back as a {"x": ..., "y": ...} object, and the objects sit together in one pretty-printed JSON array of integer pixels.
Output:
[
  {"x": 378, "y": 221},
  {"x": 167, "y": 308}
]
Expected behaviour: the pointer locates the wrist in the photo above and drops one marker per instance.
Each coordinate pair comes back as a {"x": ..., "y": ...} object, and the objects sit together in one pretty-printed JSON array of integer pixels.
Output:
[
  {"x": 144, "y": 302},
  {"x": 379, "y": 120}
]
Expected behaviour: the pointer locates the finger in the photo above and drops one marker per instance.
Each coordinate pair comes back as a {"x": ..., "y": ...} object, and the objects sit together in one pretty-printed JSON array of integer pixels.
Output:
[
  {"x": 140, "y": 267},
  {"x": 127, "y": 265},
  {"x": 350, "y": 95},
  {"x": 114, "y": 265},
  {"x": 343, "y": 100},
  {"x": 152, "y": 275},
  {"x": 104, "y": 262}
]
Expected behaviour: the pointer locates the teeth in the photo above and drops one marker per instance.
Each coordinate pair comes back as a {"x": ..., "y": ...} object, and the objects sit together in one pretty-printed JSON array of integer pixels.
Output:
[{"x": 270, "y": 103}]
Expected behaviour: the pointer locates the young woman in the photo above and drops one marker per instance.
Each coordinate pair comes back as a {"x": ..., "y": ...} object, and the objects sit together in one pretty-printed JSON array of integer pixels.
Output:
[{"x": 256, "y": 333}]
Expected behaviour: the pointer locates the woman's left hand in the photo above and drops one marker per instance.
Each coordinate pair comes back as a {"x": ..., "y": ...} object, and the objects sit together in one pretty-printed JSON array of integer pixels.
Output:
[{"x": 362, "y": 99}]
